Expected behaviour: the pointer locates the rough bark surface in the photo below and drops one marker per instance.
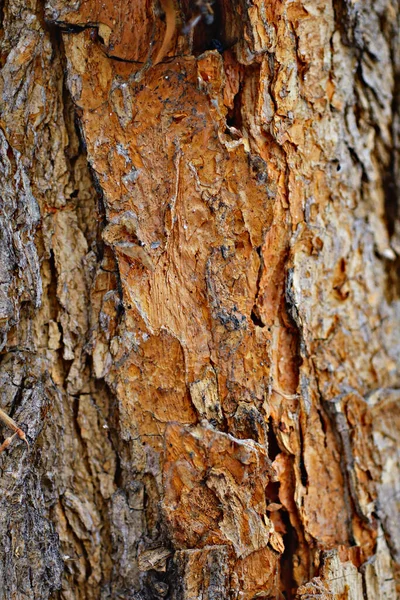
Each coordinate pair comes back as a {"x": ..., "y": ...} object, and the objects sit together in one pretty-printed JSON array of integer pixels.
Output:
[{"x": 200, "y": 299}]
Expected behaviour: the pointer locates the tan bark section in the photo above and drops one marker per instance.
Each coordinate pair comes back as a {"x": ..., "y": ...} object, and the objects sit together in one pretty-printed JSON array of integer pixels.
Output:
[
  {"x": 232, "y": 289},
  {"x": 55, "y": 531},
  {"x": 205, "y": 220}
]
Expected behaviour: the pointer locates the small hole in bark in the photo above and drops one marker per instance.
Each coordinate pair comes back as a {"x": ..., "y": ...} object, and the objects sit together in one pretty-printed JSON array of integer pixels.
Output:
[
  {"x": 273, "y": 446},
  {"x": 218, "y": 45},
  {"x": 338, "y": 165},
  {"x": 272, "y": 492},
  {"x": 303, "y": 472},
  {"x": 207, "y": 30},
  {"x": 391, "y": 191},
  {"x": 256, "y": 318},
  {"x": 234, "y": 116},
  {"x": 290, "y": 540}
]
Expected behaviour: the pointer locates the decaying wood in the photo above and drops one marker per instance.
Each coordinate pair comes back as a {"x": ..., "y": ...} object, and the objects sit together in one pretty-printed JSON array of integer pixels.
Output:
[{"x": 199, "y": 300}]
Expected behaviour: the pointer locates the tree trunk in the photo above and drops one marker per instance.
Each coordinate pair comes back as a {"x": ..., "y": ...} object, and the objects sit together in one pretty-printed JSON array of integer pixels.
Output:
[{"x": 200, "y": 299}]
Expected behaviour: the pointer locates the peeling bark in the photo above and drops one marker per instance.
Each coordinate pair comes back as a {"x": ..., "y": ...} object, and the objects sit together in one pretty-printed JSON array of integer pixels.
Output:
[{"x": 199, "y": 299}]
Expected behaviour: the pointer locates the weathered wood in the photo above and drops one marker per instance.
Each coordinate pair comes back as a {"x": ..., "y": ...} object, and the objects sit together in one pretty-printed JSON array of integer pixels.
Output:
[{"x": 199, "y": 305}]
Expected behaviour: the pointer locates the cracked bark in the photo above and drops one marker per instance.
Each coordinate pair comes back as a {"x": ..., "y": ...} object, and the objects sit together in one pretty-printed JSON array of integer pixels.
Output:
[{"x": 199, "y": 300}]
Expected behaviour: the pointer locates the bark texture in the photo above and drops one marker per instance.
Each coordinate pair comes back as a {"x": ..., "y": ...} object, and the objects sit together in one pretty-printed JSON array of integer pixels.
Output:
[{"x": 200, "y": 299}]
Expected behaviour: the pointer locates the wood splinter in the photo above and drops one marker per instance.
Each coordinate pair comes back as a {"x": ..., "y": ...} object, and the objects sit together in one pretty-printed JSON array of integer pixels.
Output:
[{"x": 12, "y": 425}]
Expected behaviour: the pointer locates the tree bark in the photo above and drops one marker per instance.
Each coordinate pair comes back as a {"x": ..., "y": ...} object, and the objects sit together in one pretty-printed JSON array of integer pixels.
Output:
[{"x": 200, "y": 299}]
